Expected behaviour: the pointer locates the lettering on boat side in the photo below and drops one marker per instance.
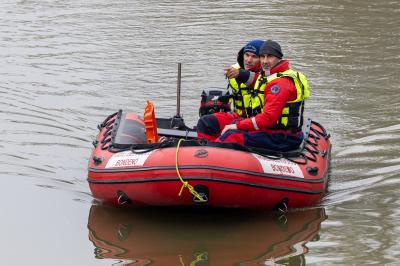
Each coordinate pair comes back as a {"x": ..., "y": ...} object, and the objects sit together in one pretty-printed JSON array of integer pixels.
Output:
[
  {"x": 127, "y": 159},
  {"x": 279, "y": 166}
]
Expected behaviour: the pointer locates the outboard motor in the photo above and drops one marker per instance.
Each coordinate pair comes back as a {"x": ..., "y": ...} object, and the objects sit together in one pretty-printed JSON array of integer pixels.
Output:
[{"x": 214, "y": 100}]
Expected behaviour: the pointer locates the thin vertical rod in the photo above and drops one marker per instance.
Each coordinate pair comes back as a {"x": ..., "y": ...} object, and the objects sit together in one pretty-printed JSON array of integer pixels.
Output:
[{"x": 178, "y": 92}]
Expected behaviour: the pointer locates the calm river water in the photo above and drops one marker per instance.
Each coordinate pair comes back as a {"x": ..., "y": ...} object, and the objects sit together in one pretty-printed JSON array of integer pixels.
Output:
[{"x": 66, "y": 65}]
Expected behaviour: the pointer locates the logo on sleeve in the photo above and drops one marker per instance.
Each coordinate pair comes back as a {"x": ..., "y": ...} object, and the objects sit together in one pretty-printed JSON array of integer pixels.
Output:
[{"x": 275, "y": 89}]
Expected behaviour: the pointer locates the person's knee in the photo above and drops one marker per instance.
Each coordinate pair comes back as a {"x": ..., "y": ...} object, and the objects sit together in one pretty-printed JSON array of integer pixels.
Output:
[{"x": 208, "y": 124}]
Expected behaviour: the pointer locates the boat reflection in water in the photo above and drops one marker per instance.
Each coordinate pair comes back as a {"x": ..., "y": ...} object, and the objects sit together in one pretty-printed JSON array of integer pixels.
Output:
[{"x": 184, "y": 237}]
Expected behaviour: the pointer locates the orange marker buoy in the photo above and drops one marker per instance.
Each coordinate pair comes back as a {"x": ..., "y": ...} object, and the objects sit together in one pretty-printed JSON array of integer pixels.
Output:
[{"x": 150, "y": 123}]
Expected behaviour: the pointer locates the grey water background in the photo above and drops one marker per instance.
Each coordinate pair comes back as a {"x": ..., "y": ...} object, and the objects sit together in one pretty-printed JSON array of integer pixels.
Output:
[{"x": 66, "y": 65}]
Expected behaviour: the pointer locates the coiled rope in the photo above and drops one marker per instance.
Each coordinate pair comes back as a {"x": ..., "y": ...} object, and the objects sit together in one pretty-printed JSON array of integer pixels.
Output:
[{"x": 185, "y": 184}]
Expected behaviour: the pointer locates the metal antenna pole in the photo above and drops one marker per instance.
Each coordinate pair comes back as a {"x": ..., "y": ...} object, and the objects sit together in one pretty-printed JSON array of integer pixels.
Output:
[{"x": 178, "y": 92}]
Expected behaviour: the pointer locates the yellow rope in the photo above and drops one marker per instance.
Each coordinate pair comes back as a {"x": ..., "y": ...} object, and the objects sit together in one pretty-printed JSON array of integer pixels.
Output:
[
  {"x": 199, "y": 257},
  {"x": 185, "y": 184},
  {"x": 181, "y": 260}
]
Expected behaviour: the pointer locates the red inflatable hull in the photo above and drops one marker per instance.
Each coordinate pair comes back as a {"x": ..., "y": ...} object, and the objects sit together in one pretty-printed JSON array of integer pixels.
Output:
[{"x": 229, "y": 178}]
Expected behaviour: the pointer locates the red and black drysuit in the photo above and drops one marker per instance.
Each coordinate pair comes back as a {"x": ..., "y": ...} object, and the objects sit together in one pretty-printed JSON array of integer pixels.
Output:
[{"x": 259, "y": 131}]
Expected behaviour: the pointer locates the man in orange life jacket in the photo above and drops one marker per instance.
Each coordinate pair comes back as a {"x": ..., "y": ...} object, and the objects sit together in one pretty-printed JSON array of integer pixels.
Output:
[
  {"x": 209, "y": 126},
  {"x": 278, "y": 127}
]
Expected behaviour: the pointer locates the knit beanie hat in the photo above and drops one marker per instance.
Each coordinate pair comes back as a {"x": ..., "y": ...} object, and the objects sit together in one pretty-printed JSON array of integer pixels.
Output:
[
  {"x": 253, "y": 46},
  {"x": 272, "y": 48}
]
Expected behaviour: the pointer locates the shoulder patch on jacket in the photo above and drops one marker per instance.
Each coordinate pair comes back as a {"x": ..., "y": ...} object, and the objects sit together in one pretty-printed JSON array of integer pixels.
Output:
[{"x": 275, "y": 89}]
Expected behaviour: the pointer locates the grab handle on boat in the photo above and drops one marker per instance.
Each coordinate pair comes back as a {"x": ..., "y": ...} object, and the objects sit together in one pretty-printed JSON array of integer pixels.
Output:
[{"x": 150, "y": 123}]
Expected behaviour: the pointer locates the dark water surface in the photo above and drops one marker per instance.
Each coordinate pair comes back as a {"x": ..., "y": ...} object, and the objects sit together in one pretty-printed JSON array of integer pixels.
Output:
[{"x": 66, "y": 65}]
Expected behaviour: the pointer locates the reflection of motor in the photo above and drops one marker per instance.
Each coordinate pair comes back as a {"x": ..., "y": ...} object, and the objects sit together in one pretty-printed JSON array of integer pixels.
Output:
[{"x": 214, "y": 100}]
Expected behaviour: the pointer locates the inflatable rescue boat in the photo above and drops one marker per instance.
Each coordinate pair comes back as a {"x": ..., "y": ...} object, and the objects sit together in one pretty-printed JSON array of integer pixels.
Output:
[{"x": 175, "y": 169}]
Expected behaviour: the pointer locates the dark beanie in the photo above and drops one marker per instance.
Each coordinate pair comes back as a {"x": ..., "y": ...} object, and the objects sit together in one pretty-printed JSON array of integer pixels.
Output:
[
  {"x": 253, "y": 46},
  {"x": 272, "y": 48}
]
